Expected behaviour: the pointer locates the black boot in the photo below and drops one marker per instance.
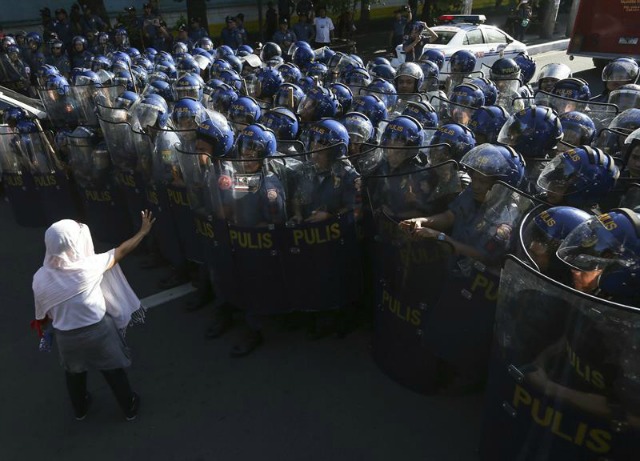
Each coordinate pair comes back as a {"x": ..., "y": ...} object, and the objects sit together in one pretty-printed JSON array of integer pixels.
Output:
[{"x": 248, "y": 343}]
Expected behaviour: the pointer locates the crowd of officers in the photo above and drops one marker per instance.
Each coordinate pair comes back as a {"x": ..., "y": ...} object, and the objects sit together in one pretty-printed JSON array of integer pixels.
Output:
[{"x": 547, "y": 138}]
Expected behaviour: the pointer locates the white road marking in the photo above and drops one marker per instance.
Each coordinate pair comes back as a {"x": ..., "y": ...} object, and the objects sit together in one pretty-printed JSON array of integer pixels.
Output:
[{"x": 167, "y": 295}]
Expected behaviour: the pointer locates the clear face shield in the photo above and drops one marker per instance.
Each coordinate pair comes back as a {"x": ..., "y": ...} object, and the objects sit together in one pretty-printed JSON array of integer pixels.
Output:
[
  {"x": 625, "y": 99},
  {"x": 460, "y": 112},
  {"x": 557, "y": 177},
  {"x": 307, "y": 109}
]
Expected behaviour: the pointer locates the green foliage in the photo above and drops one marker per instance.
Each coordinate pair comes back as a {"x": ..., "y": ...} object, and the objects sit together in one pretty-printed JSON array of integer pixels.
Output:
[{"x": 182, "y": 21}]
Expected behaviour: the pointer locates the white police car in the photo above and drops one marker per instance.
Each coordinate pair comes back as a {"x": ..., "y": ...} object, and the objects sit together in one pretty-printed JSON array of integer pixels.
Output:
[{"x": 468, "y": 32}]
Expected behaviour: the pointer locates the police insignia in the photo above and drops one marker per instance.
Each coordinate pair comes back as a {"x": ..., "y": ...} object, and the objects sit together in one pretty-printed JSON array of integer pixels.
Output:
[
  {"x": 224, "y": 182},
  {"x": 272, "y": 195},
  {"x": 503, "y": 232}
]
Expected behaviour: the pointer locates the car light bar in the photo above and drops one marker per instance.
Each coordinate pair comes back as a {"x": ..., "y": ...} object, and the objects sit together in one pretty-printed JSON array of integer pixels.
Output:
[{"x": 458, "y": 18}]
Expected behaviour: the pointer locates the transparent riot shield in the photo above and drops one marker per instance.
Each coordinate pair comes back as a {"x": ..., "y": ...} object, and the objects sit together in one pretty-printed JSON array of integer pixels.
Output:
[
  {"x": 58, "y": 196},
  {"x": 168, "y": 174},
  {"x": 252, "y": 201},
  {"x": 408, "y": 276},
  {"x": 111, "y": 114},
  {"x": 62, "y": 109},
  {"x": 126, "y": 164},
  {"x": 600, "y": 113},
  {"x": 453, "y": 79},
  {"x": 564, "y": 375},
  {"x": 402, "y": 101},
  {"x": 18, "y": 180},
  {"x": 321, "y": 253},
  {"x": 631, "y": 198},
  {"x": 105, "y": 207},
  {"x": 408, "y": 189},
  {"x": 83, "y": 96},
  {"x": 460, "y": 324},
  {"x": 164, "y": 230}
]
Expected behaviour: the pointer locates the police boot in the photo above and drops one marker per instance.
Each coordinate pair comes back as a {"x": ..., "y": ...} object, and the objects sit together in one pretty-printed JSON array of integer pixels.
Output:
[
  {"x": 222, "y": 323},
  {"x": 248, "y": 343}
]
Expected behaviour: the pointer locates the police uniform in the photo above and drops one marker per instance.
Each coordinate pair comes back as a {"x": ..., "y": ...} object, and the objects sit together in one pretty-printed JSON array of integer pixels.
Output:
[
  {"x": 61, "y": 62},
  {"x": 264, "y": 206},
  {"x": 82, "y": 60}
]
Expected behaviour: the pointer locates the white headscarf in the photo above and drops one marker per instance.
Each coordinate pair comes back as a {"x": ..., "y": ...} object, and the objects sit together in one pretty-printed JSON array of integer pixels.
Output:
[{"x": 70, "y": 268}]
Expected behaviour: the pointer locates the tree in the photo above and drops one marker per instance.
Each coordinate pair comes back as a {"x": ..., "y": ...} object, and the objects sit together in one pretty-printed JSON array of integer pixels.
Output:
[{"x": 197, "y": 9}]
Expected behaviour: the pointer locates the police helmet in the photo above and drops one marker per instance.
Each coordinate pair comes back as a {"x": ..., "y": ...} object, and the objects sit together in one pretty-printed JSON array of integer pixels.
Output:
[
  {"x": 317, "y": 103},
  {"x": 504, "y": 69},
  {"x": 533, "y": 131},
  {"x": 621, "y": 70},
  {"x": 216, "y": 131},
  {"x": 496, "y": 161},
  {"x": 269, "y": 51},
  {"x": 152, "y": 110},
  {"x": 413, "y": 70},
  {"x": 221, "y": 97},
  {"x": 431, "y": 76},
  {"x": 245, "y": 110},
  {"x": 188, "y": 114},
  {"x": 423, "y": 112},
  {"x": 403, "y": 131},
  {"x": 383, "y": 71},
  {"x": 578, "y": 129},
  {"x": 327, "y": 136},
  {"x": 256, "y": 141},
  {"x": 433, "y": 55},
  {"x": 462, "y": 62},
  {"x": 126, "y": 100},
  {"x": 489, "y": 89},
  {"x": 578, "y": 177},
  {"x": 288, "y": 95},
  {"x": 359, "y": 127},
  {"x": 303, "y": 57},
  {"x": 385, "y": 91},
  {"x": 371, "y": 106},
  {"x": 344, "y": 96},
  {"x": 527, "y": 67},
  {"x": 268, "y": 81},
  {"x": 459, "y": 138},
  {"x": 282, "y": 122},
  {"x": 188, "y": 86},
  {"x": 626, "y": 97},
  {"x": 290, "y": 72}
]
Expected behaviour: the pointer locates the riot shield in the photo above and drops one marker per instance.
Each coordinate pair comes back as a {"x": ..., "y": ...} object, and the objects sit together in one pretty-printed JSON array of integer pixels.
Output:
[
  {"x": 460, "y": 324},
  {"x": 61, "y": 109},
  {"x": 168, "y": 174},
  {"x": 563, "y": 381},
  {"x": 50, "y": 175},
  {"x": 320, "y": 256},
  {"x": 408, "y": 275},
  {"x": 164, "y": 230},
  {"x": 111, "y": 114},
  {"x": 83, "y": 96},
  {"x": 18, "y": 180},
  {"x": 402, "y": 186},
  {"x": 105, "y": 207},
  {"x": 251, "y": 199},
  {"x": 128, "y": 172}
]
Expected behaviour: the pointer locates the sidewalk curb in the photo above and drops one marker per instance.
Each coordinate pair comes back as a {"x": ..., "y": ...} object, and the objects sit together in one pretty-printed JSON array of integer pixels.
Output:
[{"x": 557, "y": 45}]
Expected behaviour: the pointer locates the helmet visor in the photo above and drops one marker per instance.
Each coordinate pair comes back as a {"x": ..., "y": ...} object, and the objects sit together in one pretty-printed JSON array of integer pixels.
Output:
[
  {"x": 625, "y": 99},
  {"x": 559, "y": 174}
]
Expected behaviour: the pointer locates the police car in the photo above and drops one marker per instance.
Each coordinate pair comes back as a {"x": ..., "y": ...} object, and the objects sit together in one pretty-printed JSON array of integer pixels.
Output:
[{"x": 468, "y": 32}]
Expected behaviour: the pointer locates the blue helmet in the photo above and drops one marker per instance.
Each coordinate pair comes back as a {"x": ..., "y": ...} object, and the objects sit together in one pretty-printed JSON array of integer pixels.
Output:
[
  {"x": 45, "y": 71},
  {"x": 34, "y": 38},
  {"x": 459, "y": 138},
  {"x": 152, "y": 110},
  {"x": 100, "y": 62},
  {"x": 125, "y": 79},
  {"x": 188, "y": 65},
  {"x": 610, "y": 244},
  {"x": 496, "y": 161},
  {"x": 231, "y": 78},
  {"x": 303, "y": 57},
  {"x": 290, "y": 72},
  {"x": 359, "y": 128},
  {"x": 150, "y": 53},
  {"x": 533, "y": 131},
  {"x": 435, "y": 56},
  {"x": 244, "y": 49},
  {"x": 578, "y": 129},
  {"x": 343, "y": 95},
  {"x": 216, "y": 131},
  {"x": 578, "y": 177},
  {"x": 431, "y": 75},
  {"x": 504, "y": 69},
  {"x": 163, "y": 56},
  {"x": 188, "y": 86},
  {"x": 317, "y": 69},
  {"x": 383, "y": 71},
  {"x": 423, "y": 112},
  {"x": 572, "y": 88},
  {"x": 557, "y": 222},
  {"x": 221, "y": 98},
  {"x": 527, "y": 67},
  {"x": 133, "y": 52},
  {"x": 284, "y": 94},
  {"x": 120, "y": 56},
  {"x": 317, "y": 103},
  {"x": 224, "y": 50},
  {"x": 166, "y": 67},
  {"x": 85, "y": 77},
  {"x": 268, "y": 82},
  {"x": 258, "y": 140},
  {"x": 179, "y": 48},
  {"x": 145, "y": 63},
  {"x": 57, "y": 83},
  {"x": 462, "y": 62},
  {"x": 486, "y": 123},
  {"x": 218, "y": 66},
  {"x": 245, "y": 110},
  {"x": 295, "y": 45},
  {"x": 160, "y": 87},
  {"x": 377, "y": 61},
  {"x": 467, "y": 95},
  {"x": 11, "y": 115},
  {"x": 324, "y": 55},
  {"x": 621, "y": 70},
  {"x": 126, "y": 100},
  {"x": 188, "y": 114},
  {"x": 489, "y": 89},
  {"x": 306, "y": 83},
  {"x": 371, "y": 106},
  {"x": 385, "y": 91},
  {"x": 327, "y": 136},
  {"x": 235, "y": 62},
  {"x": 356, "y": 78},
  {"x": 403, "y": 131},
  {"x": 282, "y": 122},
  {"x": 26, "y": 126}
]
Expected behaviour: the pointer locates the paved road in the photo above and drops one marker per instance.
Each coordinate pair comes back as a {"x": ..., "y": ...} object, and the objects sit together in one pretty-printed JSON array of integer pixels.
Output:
[{"x": 292, "y": 399}]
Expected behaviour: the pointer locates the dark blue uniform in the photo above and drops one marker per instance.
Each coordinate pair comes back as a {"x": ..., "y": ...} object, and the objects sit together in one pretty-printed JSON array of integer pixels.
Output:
[
  {"x": 264, "y": 206},
  {"x": 333, "y": 191}
]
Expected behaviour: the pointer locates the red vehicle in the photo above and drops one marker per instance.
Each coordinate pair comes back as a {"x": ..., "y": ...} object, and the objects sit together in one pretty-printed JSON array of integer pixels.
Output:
[{"x": 605, "y": 30}]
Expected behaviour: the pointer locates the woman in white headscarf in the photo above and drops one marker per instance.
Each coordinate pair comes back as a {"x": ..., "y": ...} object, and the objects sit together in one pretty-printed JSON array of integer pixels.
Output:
[{"x": 89, "y": 302}]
